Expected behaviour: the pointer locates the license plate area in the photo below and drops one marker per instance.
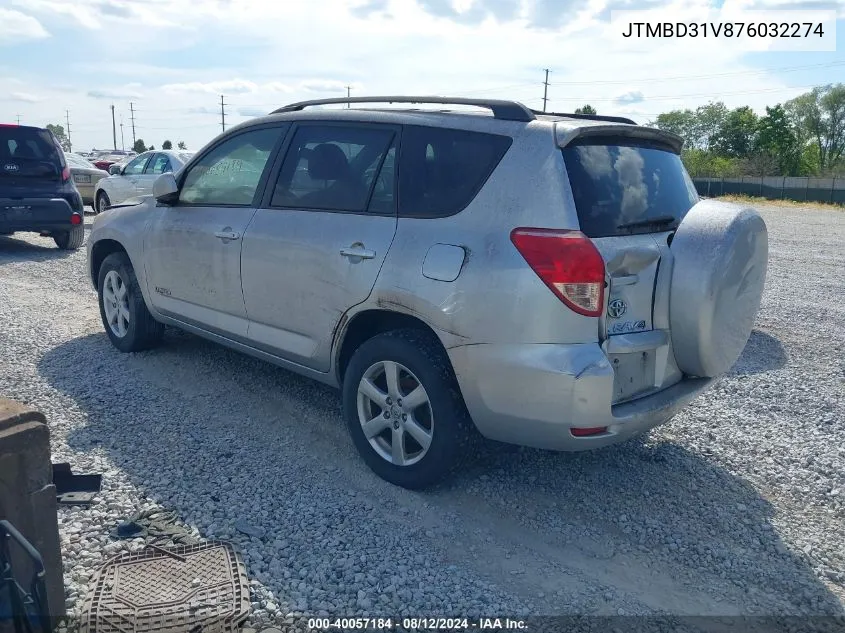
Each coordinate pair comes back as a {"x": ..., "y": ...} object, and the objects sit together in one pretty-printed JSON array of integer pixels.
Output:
[
  {"x": 633, "y": 374},
  {"x": 82, "y": 178}
]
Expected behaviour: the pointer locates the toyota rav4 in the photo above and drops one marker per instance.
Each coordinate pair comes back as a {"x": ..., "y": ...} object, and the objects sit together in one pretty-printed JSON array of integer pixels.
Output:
[{"x": 549, "y": 280}]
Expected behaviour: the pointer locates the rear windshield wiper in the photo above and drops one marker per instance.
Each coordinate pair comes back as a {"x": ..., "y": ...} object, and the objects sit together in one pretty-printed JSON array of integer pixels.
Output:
[{"x": 659, "y": 221}]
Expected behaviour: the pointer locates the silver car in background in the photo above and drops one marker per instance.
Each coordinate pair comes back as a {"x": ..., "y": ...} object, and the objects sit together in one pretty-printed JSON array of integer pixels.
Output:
[
  {"x": 135, "y": 176},
  {"x": 85, "y": 176},
  {"x": 550, "y": 280}
]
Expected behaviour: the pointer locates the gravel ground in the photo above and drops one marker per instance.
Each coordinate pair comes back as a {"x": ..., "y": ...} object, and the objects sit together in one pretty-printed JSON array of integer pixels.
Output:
[{"x": 735, "y": 507}]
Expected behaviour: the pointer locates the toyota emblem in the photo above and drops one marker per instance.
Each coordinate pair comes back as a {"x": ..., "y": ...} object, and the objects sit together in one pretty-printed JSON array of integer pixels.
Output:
[{"x": 616, "y": 308}]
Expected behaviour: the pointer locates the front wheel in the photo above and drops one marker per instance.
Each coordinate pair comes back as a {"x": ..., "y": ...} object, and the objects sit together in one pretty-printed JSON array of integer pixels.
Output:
[
  {"x": 102, "y": 202},
  {"x": 128, "y": 322},
  {"x": 404, "y": 410},
  {"x": 70, "y": 240}
]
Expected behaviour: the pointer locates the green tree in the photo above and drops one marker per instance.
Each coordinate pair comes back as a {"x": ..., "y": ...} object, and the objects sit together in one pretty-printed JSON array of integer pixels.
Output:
[
  {"x": 167, "y": 145},
  {"x": 707, "y": 123},
  {"x": 776, "y": 138},
  {"x": 59, "y": 132},
  {"x": 151, "y": 147},
  {"x": 139, "y": 146},
  {"x": 182, "y": 145},
  {"x": 736, "y": 134},
  {"x": 587, "y": 109},
  {"x": 819, "y": 116},
  {"x": 680, "y": 122}
]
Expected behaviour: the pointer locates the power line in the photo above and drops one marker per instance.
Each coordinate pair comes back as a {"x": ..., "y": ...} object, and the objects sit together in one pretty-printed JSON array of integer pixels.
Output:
[
  {"x": 699, "y": 94},
  {"x": 113, "y": 127},
  {"x": 546, "y": 90},
  {"x": 714, "y": 75},
  {"x": 67, "y": 120}
]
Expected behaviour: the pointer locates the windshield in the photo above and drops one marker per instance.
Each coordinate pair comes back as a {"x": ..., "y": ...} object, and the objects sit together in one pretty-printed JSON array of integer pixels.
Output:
[{"x": 626, "y": 188}]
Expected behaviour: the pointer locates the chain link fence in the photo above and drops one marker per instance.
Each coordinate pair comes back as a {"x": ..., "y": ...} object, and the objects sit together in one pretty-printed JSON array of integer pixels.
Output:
[{"x": 799, "y": 189}]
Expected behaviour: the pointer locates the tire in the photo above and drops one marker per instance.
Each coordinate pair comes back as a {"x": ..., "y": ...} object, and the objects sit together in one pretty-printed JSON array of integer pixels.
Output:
[
  {"x": 70, "y": 240},
  {"x": 102, "y": 202},
  {"x": 137, "y": 332},
  {"x": 421, "y": 362}
]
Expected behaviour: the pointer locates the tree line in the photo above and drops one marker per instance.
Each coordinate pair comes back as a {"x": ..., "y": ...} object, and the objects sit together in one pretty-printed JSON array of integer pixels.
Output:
[
  {"x": 804, "y": 136},
  {"x": 139, "y": 146}
]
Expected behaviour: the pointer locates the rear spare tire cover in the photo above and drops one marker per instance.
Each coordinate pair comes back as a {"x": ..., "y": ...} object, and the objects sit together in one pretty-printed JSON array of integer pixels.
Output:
[{"x": 721, "y": 251}]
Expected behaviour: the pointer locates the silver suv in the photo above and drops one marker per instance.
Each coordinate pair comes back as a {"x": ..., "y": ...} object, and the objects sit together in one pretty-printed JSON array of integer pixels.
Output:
[{"x": 550, "y": 280}]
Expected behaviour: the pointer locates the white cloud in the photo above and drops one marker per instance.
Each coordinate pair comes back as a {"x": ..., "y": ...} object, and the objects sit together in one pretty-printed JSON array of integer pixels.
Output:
[
  {"x": 262, "y": 54},
  {"x": 632, "y": 96},
  {"x": 17, "y": 27},
  {"x": 127, "y": 92},
  {"x": 25, "y": 97}
]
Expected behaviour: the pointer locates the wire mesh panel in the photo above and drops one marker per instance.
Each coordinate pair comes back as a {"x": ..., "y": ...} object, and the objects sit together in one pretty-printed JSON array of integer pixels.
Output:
[{"x": 175, "y": 590}]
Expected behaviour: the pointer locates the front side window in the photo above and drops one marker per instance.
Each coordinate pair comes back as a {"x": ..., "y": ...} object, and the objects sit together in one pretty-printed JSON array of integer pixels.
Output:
[
  {"x": 229, "y": 174},
  {"x": 136, "y": 166},
  {"x": 334, "y": 168}
]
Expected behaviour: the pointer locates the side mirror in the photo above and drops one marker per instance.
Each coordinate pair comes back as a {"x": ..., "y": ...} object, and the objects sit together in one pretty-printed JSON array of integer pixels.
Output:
[
  {"x": 114, "y": 170},
  {"x": 165, "y": 189}
]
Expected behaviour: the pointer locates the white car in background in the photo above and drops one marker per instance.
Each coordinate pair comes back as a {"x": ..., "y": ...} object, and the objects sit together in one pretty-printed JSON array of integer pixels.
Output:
[{"x": 135, "y": 177}]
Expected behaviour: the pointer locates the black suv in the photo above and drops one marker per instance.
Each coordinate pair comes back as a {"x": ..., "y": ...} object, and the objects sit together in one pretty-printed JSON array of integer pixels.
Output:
[{"x": 36, "y": 191}]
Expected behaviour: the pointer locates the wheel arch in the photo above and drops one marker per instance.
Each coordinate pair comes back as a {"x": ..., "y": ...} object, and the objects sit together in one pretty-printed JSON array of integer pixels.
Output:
[
  {"x": 99, "y": 251},
  {"x": 364, "y": 325}
]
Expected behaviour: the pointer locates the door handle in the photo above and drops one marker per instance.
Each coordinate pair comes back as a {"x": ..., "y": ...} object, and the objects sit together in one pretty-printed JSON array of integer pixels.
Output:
[
  {"x": 357, "y": 250},
  {"x": 227, "y": 235}
]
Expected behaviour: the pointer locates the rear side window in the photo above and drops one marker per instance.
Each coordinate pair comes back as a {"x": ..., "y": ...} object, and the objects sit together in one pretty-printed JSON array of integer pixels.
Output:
[
  {"x": 335, "y": 168},
  {"x": 624, "y": 189},
  {"x": 442, "y": 170},
  {"x": 28, "y": 152}
]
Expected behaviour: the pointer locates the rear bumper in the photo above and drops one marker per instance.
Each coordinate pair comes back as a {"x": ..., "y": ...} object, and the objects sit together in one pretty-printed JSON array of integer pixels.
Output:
[
  {"x": 86, "y": 190},
  {"x": 533, "y": 395},
  {"x": 36, "y": 214}
]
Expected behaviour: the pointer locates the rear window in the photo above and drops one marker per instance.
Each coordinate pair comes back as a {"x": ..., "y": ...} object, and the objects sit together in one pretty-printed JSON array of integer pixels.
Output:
[
  {"x": 441, "y": 170},
  {"x": 28, "y": 152},
  {"x": 627, "y": 188}
]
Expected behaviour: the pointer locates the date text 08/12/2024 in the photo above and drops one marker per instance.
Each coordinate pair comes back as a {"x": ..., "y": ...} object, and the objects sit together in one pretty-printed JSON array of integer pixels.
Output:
[{"x": 415, "y": 624}]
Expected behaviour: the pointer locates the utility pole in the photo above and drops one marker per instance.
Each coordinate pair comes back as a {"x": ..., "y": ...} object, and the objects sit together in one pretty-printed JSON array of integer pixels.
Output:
[
  {"x": 122, "y": 144},
  {"x": 348, "y": 94},
  {"x": 132, "y": 114},
  {"x": 19, "y": 119},
  {"x": 67, "y": 120},
  {"x": 546, "y": 90},
  {"x": 222, "y": 114},
  {"x": 113, "y": 127}
]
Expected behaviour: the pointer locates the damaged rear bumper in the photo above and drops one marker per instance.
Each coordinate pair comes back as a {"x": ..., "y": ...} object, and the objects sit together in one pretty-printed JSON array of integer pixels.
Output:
[{"x": 533, "y": 395}]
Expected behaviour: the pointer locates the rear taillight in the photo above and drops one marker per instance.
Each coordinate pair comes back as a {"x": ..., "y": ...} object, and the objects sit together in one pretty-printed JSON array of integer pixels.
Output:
[
  {"x": 66, "y": 174},
  {"x": 568, "y": 263},
  {"x": 595, "y": 430},
  {"x": 75, "y": 219}
]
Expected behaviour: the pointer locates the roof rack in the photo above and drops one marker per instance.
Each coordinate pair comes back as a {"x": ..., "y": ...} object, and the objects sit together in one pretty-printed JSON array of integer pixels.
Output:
[
  {"x": 589, "y": 117},
  {"x": 505, "y": 110}
]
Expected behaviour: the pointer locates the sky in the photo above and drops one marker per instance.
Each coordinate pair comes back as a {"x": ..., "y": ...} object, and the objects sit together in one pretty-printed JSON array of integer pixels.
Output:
[{"x": 172, "y": 59}]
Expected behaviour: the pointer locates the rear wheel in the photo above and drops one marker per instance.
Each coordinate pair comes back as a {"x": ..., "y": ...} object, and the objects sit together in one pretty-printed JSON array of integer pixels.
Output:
[
  {"x": 128, "y": 322},
  {"x": 70, "y": 240},
  {"x": 404, "y": 410},
  {"x": 102, "y": 202}
]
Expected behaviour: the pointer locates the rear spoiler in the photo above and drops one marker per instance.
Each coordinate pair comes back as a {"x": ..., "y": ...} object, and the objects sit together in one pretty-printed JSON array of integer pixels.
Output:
[{"x": 565, "y": 135}]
